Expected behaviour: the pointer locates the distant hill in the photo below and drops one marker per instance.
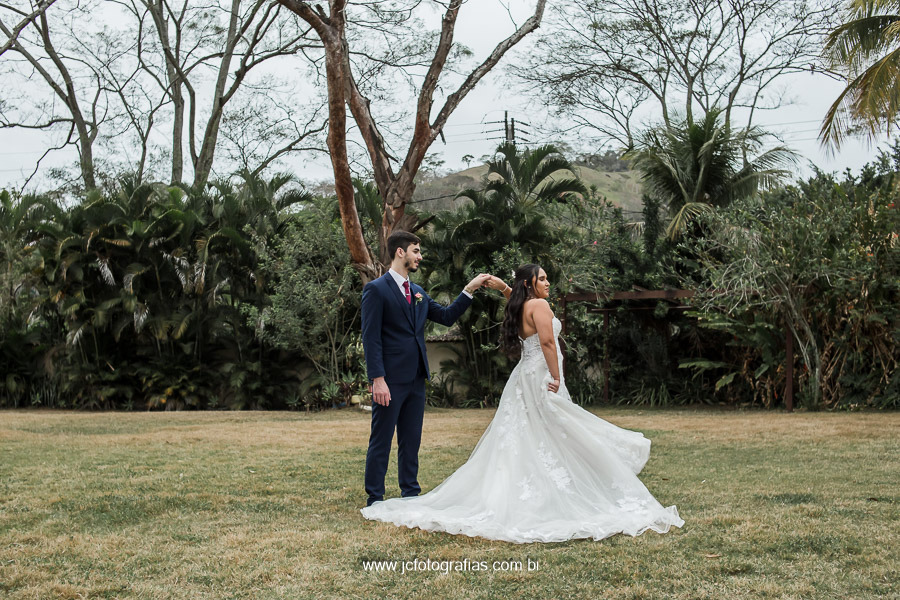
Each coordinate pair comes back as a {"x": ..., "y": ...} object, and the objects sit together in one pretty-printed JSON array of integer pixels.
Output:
[{"x": 622, "y": 188}]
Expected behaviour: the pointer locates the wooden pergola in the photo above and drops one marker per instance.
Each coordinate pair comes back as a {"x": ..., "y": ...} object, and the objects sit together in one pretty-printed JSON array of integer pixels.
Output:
[{"x": 674, "y": 296}]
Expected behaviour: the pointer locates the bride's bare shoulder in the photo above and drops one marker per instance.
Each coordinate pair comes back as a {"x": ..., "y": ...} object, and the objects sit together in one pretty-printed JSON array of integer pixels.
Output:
[{"x": 536, "y": 305}]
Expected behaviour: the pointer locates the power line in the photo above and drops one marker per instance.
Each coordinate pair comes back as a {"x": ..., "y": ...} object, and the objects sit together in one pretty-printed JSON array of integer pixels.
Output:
[
  {"x": 469, "y": 141},
  {"x": 464, "y": 125},
  {"x": 21, "y": 152},
  {"x": 859, "y": 135},
  {"x": 799, "y": 131},
  {"x": 790, "y": 123},
  {"x": 468, "y": 134},
  {"x": 435, "y": 198}
]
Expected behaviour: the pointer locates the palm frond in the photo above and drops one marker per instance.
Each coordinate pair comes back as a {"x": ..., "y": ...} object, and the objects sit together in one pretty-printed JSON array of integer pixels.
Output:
[
  {"x": 871, "y": 99},
  {"x": 558, "y": 189},
  {"x": 859, "y": 39},
  {"x": 550, "y": 166},
  {"x": 684, "y": 217}
]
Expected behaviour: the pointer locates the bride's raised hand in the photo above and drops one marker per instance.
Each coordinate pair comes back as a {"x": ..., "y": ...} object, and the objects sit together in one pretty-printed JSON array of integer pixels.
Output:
[{"x": 495, "y": 283}]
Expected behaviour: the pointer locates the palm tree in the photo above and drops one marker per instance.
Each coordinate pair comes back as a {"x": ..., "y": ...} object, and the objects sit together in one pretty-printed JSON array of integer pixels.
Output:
[
  {"x": 20, "y": 221},
  {"x": 505, "y": 224},
  {"x": 867, "y": 49},
  {"x": 695, "y": 167},
  {"x": 509, "y": 209},
  {"x": 530, "y": 176}
]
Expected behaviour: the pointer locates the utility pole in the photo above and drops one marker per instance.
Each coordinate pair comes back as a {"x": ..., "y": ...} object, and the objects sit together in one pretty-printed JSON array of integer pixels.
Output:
[{"x": 509, "y": 128}]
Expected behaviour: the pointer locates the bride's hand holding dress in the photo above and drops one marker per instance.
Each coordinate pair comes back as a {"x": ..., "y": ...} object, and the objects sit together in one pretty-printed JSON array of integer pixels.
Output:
[{"x": 538, "y": 312}]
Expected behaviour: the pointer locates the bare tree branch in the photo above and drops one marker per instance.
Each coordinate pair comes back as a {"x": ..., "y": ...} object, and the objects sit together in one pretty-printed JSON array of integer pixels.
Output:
[
  {"x": 65, "y": 89},
  {"x": 39, "y": 9},
  {"x": 609, "y": 60},
  {"x": 37, "y": 164},
  {"x": 344, "y": 90}
]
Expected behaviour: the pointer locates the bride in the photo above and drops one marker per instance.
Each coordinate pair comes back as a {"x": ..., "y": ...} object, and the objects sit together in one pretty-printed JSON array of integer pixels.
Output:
[{"x": 545, "y": 469}]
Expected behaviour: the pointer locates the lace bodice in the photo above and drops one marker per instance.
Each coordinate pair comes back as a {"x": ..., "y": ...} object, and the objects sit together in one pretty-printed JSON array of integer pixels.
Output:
[{"x": 531, "y": 346}]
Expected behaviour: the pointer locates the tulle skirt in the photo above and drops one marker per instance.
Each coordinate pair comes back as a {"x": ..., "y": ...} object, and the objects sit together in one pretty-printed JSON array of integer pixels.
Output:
[{"x": 545, "y": 470}]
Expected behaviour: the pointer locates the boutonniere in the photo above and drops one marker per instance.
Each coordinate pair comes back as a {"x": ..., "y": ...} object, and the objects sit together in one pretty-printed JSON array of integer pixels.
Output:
[{"x": 418, "y": 297}]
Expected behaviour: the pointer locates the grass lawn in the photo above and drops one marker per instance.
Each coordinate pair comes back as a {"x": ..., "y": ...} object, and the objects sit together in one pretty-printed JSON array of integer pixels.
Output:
[{"x": 266, "y": 505}]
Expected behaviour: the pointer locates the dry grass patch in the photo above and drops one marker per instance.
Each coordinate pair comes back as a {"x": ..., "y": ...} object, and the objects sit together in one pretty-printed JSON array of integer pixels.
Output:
[{"x": 265, "y": 505}]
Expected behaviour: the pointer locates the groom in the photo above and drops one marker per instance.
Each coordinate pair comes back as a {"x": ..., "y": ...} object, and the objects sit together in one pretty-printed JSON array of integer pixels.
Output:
[{"x": 394, "y": 311}]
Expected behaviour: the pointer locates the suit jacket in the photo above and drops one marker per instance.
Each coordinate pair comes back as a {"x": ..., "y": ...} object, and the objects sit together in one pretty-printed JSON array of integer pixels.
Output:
[{"x": 393, "y": 332}]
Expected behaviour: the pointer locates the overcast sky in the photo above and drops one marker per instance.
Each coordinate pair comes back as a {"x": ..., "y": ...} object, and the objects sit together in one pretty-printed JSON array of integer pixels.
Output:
[{"x": 469, "y": 130}]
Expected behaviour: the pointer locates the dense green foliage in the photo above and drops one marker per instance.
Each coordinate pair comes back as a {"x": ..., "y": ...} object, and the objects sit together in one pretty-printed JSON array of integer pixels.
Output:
[
  {"x": 820, "y": 262},
  {"x": 694, "y": 167},
  {"x": 314, "y": 306},
  {"x": 817, "y": 261},
  {"x": 243, "y": 297},
  {"x": 143, "y": 298}
]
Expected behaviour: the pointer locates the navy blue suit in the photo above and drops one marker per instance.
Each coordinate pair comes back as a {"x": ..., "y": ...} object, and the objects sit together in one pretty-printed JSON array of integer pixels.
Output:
[{"x": 393, "y": 334}]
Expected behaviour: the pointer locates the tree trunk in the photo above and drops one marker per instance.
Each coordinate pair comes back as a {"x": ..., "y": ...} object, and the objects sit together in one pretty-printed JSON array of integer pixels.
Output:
[
  {"x": 86, "y": 156},
  {"x": 87, "y": 132},
  {"x": 175, "y": 92},
  {"x": 177, "y": 135},
  {"x": 395, "y": 190},
  {"x": 332, "y": 35},
  {"x": 203, "y": 165}
]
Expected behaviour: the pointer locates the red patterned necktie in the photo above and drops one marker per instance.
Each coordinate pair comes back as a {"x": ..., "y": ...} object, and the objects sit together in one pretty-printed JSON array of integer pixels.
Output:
[{"x": 408, "y": 297}]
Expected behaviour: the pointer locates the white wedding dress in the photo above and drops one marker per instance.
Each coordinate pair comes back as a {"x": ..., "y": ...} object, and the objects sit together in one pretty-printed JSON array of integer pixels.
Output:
[{"x": 545, "y": 470}]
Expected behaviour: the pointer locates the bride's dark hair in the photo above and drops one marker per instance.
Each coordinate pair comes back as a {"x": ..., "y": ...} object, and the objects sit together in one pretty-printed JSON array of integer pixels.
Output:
[{"x": 522, "y": 290}]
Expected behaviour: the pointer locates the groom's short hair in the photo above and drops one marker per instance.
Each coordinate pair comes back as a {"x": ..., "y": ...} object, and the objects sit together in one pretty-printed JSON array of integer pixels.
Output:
[{"x": 400, "y": 239}]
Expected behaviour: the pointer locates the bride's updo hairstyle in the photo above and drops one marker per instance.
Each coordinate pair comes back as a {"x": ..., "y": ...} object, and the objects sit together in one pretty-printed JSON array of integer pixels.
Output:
[{"x": 522, "y": 290}]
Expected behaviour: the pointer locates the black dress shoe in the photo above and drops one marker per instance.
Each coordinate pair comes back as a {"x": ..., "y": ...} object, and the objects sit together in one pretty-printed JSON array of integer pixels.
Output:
[{"x": 372, "y": 501}]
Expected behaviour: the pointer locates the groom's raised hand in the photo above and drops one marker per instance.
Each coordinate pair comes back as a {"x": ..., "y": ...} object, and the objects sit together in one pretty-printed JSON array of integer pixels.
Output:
[
  {"x": 381, "y": 394},
  {"x": 477, "y": 282}
]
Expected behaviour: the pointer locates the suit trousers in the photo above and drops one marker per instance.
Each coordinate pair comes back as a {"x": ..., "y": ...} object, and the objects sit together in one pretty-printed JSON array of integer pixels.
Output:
[{"x": 405, "y": 413}]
